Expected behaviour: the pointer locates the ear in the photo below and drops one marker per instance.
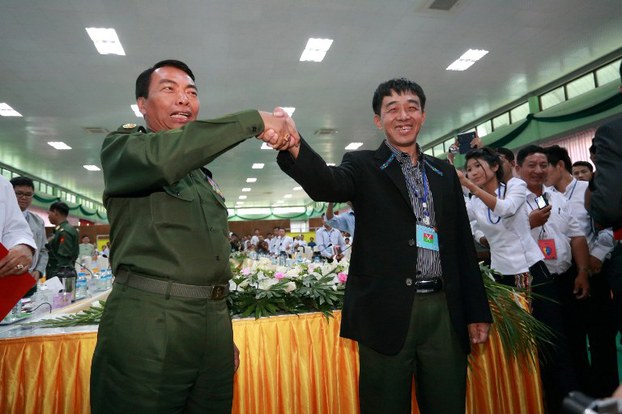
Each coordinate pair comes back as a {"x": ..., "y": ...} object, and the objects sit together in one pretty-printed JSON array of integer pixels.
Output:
[
  {"x": 142, "y": 105},
  {"x": 378, "y": 122}
]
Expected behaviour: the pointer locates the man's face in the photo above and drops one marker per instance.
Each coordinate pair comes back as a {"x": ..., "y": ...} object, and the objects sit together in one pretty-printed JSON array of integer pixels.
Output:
[
  {"x": 582, "y": 173},
  {"x": 508, "y": 166},
  {"x": 54, "y": 217},
  {"x": 24, "y": 196},
  {"x": 554, "y": 174},
  {"x": 172, "y": 101},
  {"x": 281, "y": 232},
  {"x": 86, "y": 240},
  {"x": 401, "y": 118},
  {"x": 534, "y": 170}
]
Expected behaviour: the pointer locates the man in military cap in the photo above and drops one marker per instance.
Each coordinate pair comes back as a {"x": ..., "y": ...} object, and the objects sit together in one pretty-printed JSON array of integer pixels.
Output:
[
  {"x": 63, "y": 246},
  {"x": 165, "y": 342}
]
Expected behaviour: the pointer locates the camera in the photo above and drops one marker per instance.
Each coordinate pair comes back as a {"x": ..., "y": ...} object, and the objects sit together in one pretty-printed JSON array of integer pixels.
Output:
[
  {"x": 541, "y": 201},
  {"x": 579, "y": 403}
]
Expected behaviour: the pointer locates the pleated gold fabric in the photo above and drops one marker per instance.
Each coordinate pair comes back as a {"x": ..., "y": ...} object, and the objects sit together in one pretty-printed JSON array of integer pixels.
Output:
[{"x": 289, "y": 364}]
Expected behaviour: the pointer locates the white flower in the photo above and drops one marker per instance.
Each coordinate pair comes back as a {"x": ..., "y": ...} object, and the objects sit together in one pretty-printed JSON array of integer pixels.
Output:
[
  {"x": 265, "y": 284},
  {"x": 290, "y": 287},
  {"x": 293, "y": 272}
]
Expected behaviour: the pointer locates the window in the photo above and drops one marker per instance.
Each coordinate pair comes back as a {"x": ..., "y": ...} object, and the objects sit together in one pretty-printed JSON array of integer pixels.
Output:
[
  {"x": 519, "y": 113},
  {"x": 552, "y": 98},
  {"x": 501, "y": 120},
  {"x": 580, "y": 86},
  {"x": 484, "y": 129},
  {"x": 439, "y": 149},
  {"x": 609, "y": 73},
  {"x": 299, "y": 226}
]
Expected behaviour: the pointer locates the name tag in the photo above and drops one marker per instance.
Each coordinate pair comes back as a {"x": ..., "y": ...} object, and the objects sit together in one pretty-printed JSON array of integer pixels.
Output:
[
  {"x": 427, "y": 238},
  {"x": 547, "y": 246}
]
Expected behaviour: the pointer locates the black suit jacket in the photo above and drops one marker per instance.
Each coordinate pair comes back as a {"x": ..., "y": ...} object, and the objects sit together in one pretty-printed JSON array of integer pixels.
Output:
[
  {"x": 606, "y": 200},
  {"x": 378, "y": 299}
]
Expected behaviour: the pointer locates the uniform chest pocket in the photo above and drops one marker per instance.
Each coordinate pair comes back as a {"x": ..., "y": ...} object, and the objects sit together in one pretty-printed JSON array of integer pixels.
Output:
[{"x": 175, "y": 207}]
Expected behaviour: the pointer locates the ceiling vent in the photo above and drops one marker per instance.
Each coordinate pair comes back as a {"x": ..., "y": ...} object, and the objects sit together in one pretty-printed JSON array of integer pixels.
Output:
[
  {"x": 96, "y": 130},
  {"x": 325, "y": 131},
  {"x": 442, "y": 4}
]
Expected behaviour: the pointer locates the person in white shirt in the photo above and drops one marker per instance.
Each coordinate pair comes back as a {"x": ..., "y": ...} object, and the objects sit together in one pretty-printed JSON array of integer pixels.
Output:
[
  {"x": 497, "y": 209},
  {"x": 594, "y": 316},
  {"x": 329, "y": 242},
  {"x": 15, "y": 233},
  {"x": 255, "y": 238},
  {"x": 283, "y": 243},
  {"x": 343, "y": 221}
]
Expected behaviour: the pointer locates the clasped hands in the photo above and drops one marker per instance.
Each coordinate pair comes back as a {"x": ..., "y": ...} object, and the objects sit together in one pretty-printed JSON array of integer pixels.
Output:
[{"x": 279, "y": 130}]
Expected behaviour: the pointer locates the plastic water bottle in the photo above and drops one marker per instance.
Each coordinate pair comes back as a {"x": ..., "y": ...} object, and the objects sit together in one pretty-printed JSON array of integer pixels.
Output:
[
  {"x": 107, "y": 278},
  {"x": 81, "y": 286}
]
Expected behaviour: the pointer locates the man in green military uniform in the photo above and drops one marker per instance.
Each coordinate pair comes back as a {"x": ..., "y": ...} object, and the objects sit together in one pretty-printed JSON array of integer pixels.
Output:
[
  {"x": 63, "y": 246},
  {"x": 165, "y": 342}
]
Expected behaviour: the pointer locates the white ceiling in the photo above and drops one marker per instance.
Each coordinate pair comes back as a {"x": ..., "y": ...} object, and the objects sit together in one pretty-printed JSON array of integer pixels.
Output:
[{"x": 245, "y": 55}]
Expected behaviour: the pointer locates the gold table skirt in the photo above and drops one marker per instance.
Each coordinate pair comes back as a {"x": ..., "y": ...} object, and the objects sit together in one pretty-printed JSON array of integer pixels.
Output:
[{"x": 289, "y": 364}]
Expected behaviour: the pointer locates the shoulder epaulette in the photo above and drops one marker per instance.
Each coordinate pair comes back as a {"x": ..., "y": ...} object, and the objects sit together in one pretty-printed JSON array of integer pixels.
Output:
[{"x": 131, "y": 128}]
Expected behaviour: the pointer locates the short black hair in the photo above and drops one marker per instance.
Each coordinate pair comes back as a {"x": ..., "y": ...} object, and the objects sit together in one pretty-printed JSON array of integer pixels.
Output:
[
  {"x": 142, "y": 82},
  {"x": 60, "y": 207},
  {"x": 584, "y": 164},
  {"x": 22, "y": 182},
  {"x": 489, "y": 155},
  {"x": 527, "y": 151},
  {"x": 507, "y": 153},
  {"x": 555, "y": 154},
  {"x": 398, "y": 86}
]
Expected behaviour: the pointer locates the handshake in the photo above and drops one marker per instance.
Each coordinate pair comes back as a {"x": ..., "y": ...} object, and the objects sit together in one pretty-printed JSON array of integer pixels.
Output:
[{"x": 279, "y": 130}]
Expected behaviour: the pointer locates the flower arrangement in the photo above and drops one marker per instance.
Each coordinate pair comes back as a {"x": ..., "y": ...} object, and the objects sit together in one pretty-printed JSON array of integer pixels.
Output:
[{"x": 260, "y": 288}]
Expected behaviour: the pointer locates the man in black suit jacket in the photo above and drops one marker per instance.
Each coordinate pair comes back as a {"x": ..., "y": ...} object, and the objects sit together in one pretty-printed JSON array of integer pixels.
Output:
[
  {"x": 414, "y": 299},
  {"x": 605, "y": 202}
]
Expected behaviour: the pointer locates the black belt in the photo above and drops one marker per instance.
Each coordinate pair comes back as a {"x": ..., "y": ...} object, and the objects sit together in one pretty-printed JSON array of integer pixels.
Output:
[
  {"x": 164, "y": 287},
  {"x": 428, "y": 285}
]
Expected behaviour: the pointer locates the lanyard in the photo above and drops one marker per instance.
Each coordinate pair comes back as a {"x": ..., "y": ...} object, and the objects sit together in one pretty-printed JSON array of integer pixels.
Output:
[
  {"x": 424, "y": 200},
  {"x": 490, "y": 212},
  {"x": 573, "y": 187}
]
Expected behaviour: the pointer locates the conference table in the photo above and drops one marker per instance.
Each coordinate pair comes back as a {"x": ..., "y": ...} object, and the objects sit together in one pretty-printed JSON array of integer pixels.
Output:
[{"x": 290, "y": 364}]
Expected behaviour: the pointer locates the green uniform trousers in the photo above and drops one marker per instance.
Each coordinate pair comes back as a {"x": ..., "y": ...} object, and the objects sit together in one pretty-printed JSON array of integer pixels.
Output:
[
  {"x": 158, "y": 355},
  {"x": 431, "y": 353}
]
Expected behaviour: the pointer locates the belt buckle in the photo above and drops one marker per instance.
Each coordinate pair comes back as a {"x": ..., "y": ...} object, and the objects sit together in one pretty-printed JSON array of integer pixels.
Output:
[{"x": 218, "y": 292}]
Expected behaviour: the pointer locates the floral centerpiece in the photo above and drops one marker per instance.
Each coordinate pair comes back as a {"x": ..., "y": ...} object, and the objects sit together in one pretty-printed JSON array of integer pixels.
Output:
[{"x": 261, "y": 288}]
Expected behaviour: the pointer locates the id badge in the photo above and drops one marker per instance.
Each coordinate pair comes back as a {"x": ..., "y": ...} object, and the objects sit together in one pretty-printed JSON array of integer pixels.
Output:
[
  {"x": 547, "y": 246},
  {"x": 427, "y": 238}
]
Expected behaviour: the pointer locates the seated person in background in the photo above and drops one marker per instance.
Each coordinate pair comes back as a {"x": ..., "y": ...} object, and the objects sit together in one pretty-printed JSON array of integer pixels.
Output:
[
  {"x": 582, "y": 170},
  {"x": 263, "y": 247},
  {"x": 86, "y": 248},
  {"x": 312, "y": 242}
]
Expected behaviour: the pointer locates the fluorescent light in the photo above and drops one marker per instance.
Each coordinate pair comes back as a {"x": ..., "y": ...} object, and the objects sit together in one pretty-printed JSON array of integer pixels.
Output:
[
  {"x": 254, "y": 211},
  {"x": 59, "y": 145},
  {"x": 467, "y": 59},
  {"x": 257, "y": 166},
  {"x": 106, "y": 41},
  {"x": 251, "y": 180},
  {"x": 288, "y": 210},
  {"x": 6, "y": 110},
  {"x": 353, "y": 145},
  {"x": 92, "y": 167},
  {"x": 265, "y": 146},
  {"x": 315, "y": 50},
  {"x": 136, "y": 111},
  {"x": 297, "y": 188},
  {"x": 246, "y": 189},
  {"x": 330, "y": 164},
  {"x": 239, "y": 203},
  {"x": 289, "y": 109},
  {"x": 279, "y": 202},
  {"x": 243, "y": 197},
  {"x": 287, "y": 196}
]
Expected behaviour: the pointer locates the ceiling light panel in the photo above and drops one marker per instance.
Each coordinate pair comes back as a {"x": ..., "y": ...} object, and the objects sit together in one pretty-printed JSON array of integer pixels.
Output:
[
  {"x": 315, "y": 50},
  {"x": 467, "y": 59},
  {"x": 106, "y": 41},
  {"x": 353, "y": 146},
  {"x": 59, "y": 145},
  {"x": 251, "y": 180},
  {"x": 91, "y": 167},
  {"x": 257, "y": 166},
  {"x": 6, "y": 110}
]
